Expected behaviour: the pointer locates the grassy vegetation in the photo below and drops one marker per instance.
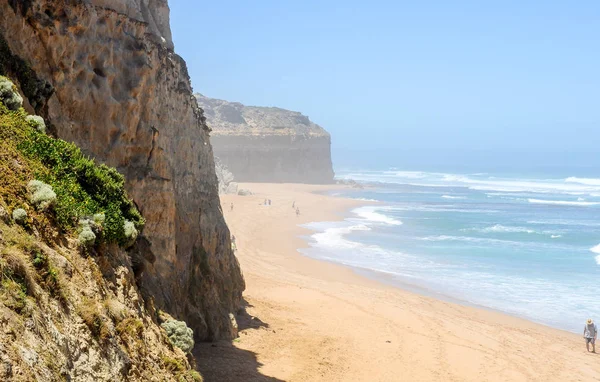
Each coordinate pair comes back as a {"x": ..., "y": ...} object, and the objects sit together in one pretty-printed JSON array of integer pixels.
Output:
[
  {"x": 179, "y": 369},
  {"x": 172, "y": 364},
  {"x": 89, "y": 312},
  {"x": 130, "y": 327},
  {"x": 49, "y": 276},
  {"x": 82, "y": 187},
  {"x": 194, "y": 376}
]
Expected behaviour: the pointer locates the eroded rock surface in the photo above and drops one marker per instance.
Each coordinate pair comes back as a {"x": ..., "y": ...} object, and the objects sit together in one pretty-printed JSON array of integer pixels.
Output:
[
  {"x": 268, "y": 144},
  {"x": 123, "y": 96}
]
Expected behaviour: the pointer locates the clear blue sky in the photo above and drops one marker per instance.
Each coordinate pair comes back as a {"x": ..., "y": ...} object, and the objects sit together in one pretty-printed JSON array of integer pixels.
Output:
[{"x": 407, "y": 74}]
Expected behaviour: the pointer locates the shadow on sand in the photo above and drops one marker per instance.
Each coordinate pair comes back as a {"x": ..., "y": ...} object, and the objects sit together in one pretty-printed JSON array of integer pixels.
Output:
[
  {"x": 246, "y": 321},
  {"x": 223, "y": 362}
]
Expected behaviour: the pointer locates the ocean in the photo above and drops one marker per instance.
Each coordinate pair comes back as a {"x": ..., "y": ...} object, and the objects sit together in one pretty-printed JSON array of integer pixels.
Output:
[{"x": 525, "y": 245}]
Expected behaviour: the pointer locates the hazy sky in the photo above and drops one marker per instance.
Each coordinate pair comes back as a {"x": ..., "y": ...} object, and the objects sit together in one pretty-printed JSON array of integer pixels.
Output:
[{"x": 406, "y": 74}]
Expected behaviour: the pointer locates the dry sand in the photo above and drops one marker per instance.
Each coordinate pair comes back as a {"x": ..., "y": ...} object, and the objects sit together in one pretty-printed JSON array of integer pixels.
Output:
[{"x": 309, "y": 320}]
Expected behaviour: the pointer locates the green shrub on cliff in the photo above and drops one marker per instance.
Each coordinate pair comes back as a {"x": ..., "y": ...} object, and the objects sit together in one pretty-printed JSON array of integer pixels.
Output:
[
  {"x": 42, "y": 195},
  {"x": 9, "y": 94},
  {"x": 82, "y": 187},
  {"x": 130, "y": 232},
  {"x": 19, "y": 215},
  {"x": 37, "y": 122},
  {"x": 87, "y": 237},
  {"x": 179, "y": 334}
]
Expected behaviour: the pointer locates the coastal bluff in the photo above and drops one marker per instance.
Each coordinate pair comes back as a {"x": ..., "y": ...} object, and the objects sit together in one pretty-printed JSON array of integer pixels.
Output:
[
  {"x": 103, "y": 75},
  {"x": 268, "y": 144}
]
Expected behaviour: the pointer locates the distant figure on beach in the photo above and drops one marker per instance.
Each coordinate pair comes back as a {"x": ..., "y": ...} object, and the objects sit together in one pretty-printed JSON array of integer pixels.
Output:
[
  {"x": 269, "y": 201},
  {"x": 293, "y": 204},
  {"x": 590, "y": 332},
  {"x": 265, "y": 202},
  {"x": 297, "y": 211},
  {"x": 231, "y": 206}
]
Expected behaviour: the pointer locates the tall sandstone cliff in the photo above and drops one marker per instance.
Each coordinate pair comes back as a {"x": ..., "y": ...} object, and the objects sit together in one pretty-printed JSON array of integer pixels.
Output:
[
  {"x": 268, "y": 144},
  {"x": 107, "y": 79}
]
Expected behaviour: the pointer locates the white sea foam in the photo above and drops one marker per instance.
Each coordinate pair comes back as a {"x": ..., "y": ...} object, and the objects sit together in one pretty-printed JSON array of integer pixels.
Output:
[
  {"x": 501, "y": 229},
  {"x": 563, "y": 202},
  {"x": 370, "y": 214},
  {"x": 596, "y": 249},
  {"x": 581, "y": 223},
  {"x": 408, "y": 174},
  {"x": 468, "y": 239},
  {"x": 442, "y": 208},
  {"x": 453, "y": 197},
  {"x": 366, "y": 199},
  {"x": 586, "y": 181},
  {"x": 333, "y": 237}
]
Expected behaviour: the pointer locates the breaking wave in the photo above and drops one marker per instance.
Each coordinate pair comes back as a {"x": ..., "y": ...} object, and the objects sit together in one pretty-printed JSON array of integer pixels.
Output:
[
  {"x": 453, "y": 197},
  {"x": 370, "y": 214},
  {"x": 563, "y": 202}
]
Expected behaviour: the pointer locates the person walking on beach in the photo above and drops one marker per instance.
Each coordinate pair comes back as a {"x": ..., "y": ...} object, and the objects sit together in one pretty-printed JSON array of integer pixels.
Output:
[
  {"x": 294, "y": 204},
  {"x": 231, "y": 206},
  {"x": 590, "y": 332},
  {"x": 297, "y": 211}
]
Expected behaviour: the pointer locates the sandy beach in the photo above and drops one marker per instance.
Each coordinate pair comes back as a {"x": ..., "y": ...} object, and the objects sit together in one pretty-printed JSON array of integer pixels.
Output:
[{"x": 310, "y": 320}]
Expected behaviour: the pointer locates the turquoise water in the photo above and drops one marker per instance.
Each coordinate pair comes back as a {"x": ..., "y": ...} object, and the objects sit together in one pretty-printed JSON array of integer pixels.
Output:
[{"x": 524, "y": 245}]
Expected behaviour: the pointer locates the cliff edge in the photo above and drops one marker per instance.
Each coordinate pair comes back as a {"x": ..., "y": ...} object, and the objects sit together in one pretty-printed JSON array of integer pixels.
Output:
[
  {"x": 103, "y": 75},
  {"x": 268, "y": 144}
]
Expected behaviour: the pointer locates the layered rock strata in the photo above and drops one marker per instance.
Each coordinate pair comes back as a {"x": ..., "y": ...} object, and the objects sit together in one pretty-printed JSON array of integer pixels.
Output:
[{"x": 268, "y": 144}]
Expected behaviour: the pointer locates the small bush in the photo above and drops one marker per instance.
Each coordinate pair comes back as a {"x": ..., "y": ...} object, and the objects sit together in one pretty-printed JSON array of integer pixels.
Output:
[
  {"x": 87, "y": 237},
  {"x": 19, "y": 215},
  {"x": 9, "y": 94},
  {"x": 179, "y": 334},
  {"x": 40, "y": 260},
  {"x": 42, "y": 194},
  {"x": 99, "y": 218},
  {"x": 131, "y": 233},
  {"x": 37, "y": 123}
]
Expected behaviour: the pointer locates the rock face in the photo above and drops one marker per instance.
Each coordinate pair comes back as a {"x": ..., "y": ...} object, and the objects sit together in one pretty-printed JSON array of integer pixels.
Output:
[
  {"x": 123, "y": 96},
  {"x": 225, "y": 178},
  {"x": 268, "y": 144}
]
